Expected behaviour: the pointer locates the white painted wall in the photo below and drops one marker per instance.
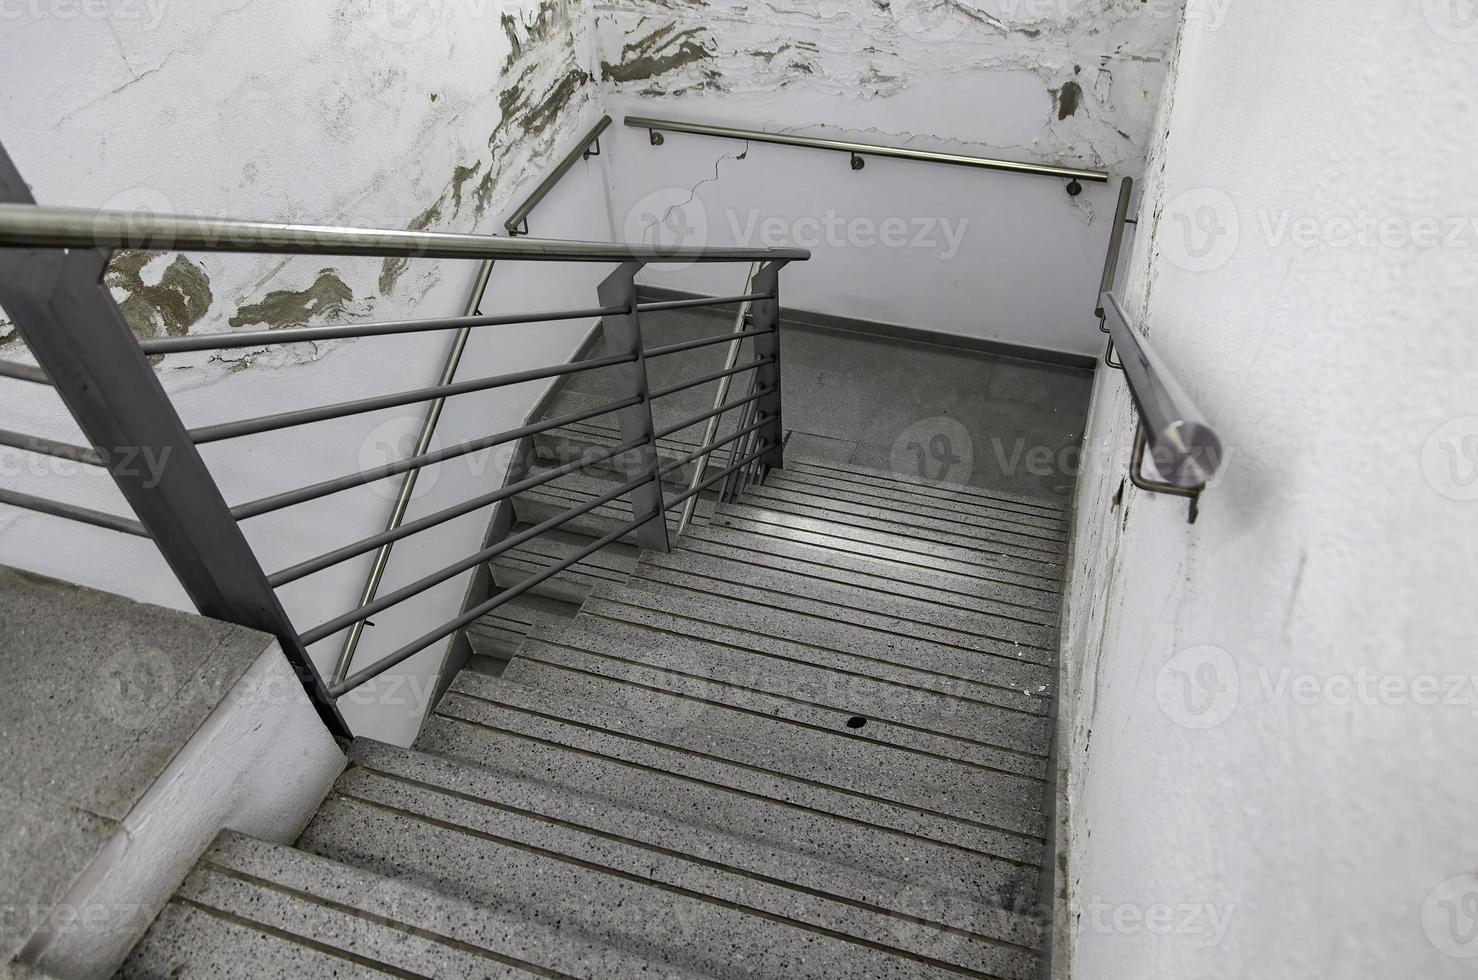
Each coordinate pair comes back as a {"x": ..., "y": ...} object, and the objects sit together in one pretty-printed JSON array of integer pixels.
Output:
[
  {"x": 317, "y": 113},
  {"x": 1019, "y": 260},
  {"x": 1260, "y": 782}
]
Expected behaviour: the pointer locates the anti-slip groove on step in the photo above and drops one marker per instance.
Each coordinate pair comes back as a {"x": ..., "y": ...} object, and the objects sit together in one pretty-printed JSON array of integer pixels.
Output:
[
  {"x": 854, "y": 917},
  {"x": 941, "y": 507},
  {"x": 667, "y": 683},
  {"x": 903, "y": 484},
  {"x": 783, "y": 785},
  {"x": 614, "y": 607}
]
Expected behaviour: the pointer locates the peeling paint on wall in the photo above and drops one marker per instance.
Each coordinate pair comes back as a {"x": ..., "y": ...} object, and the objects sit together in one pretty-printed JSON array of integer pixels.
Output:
[
  {"x": 1101, "y": 65},
  {"x": 159, "y": 298},
  {"x": 328, "y": 298}
]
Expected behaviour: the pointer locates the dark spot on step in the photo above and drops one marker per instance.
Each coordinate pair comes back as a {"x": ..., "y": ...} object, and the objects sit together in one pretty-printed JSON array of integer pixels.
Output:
[{"x": 856, "y": 722}]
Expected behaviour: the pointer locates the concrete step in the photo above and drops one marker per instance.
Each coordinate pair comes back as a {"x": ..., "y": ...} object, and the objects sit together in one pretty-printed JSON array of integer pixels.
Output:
[
  {"x": 895, "y": 483},
  {"x": 1041, "y": 559},
  {"x": 711, "y": 861},
  {"x": 990, "y": 785},
  {"x": 575, "y": 490},
  {"x": 970, "y": 513},
  {"x": 614, "y": 751},
  {"x": 592, "y": 437},
  {"x": 969, "y": 678},
  {"x": 688, "y": 917},
  {"x": 781, "y": 534},
  {"x": 253, "y": 909},
  {"x": 896, "y": 613},
  {"x": 819, "y": 695},
  {"x": 497, "y": 636},
  {"x": 611, "y": 565},
  {"x": 964, "y": 559},
  {"x": 843, "y": 568}
]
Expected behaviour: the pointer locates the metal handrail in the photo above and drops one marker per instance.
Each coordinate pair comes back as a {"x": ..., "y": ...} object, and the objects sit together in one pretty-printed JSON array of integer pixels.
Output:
[
  {"x": 52, "y": 264},
  {"x": 518, "y": 221},
  {"x": 1187, "y": 452},
  {"x": 690, "y": 507},
  {"x": 36, "y": 226},
  {"x": 860, "y": 150}
]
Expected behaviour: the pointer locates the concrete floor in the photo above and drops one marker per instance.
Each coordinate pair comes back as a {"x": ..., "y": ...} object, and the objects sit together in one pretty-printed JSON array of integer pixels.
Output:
[{"x": 945, "y": 414}]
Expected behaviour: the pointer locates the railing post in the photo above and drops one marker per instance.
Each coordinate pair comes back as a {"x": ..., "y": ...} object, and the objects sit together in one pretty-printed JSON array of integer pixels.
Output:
[
  {"x": 623, "y": 336},
  {"x": 69, "y": 320},
  {"x": 766, "y": 316}
]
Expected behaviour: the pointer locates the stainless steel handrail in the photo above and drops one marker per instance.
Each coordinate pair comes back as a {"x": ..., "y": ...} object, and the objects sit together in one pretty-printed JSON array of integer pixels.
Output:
[
  {"x": 516, "y": 221},
  {"x": 859, "y": 150},
  {"x": 35, "y": 226},
  {"x": 711, "y": 430},
  {"x": 519, "y": 219},
  {"x": 1116, "y": 243},
  {"x": 1186, "y": 451}
]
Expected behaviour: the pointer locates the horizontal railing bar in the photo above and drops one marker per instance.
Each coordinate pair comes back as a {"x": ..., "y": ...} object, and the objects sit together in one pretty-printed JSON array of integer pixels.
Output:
[
  {"x": 694, "y": 491},
  {"x": 332, "y": 558},
  {"x": 270, "y": 423},
  {"x": 1182, "y": 439},
  {"x": 50, "y": 447},
  {"x": 740, "y": 403},
  {"x": 688, "y": 304},
  {"x": 516, "y": 220},
  {"x": 867, "y": 149},
  {"x": 24, "y": 372},
  {"x": 487, "y": 554},
  {"x": 33, "y": 226},
  {"x": 706, "y": 379},
  {"x": 278, "y": 501},
  {"x": 298, "y": 335},
  {"x": 72, "y": 512},
  {"x": 705, "y": 342},
  {"x": 477, "y": 612},
  {"x": 714, "y": 446}
]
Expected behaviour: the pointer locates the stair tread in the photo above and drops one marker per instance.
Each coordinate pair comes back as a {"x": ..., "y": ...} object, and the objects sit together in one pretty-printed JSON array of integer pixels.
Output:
[
  {"x": 613, "y": 738},
  {"x": 688, "y": 918},
  {"x": 913, "y": 486},
  {"x": 288, "y": 912},
  {"x": 566, "y": 817}
]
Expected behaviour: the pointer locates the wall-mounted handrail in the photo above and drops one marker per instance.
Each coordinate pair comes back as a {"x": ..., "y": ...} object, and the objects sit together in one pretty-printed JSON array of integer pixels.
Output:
[
  {"x": 1186, "y": 451},
  {"x": 518, "y": 221},
  {"x": 1116, "y": 243},
  {"x": 34, "y": 226},
  {"x": 860, "y": 150}
]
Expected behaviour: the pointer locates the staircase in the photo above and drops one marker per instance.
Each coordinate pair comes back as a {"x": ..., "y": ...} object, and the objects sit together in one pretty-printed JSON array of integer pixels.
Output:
[{"x": 811, "y": 741}]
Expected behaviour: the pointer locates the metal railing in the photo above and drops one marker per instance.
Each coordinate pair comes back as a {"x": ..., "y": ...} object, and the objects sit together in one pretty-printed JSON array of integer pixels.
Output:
[
  {"x": 859, "y": 152},
  {"x": 52, "y": 262},
  {"x": 1185, "y": 449}
]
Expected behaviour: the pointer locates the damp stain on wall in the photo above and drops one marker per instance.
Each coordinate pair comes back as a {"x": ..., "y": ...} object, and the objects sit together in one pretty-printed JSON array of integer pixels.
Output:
[
  {"x": 328, "y": 298},
  {"x": 159, "y": 297},
  {"x": 662, "y": 50}
]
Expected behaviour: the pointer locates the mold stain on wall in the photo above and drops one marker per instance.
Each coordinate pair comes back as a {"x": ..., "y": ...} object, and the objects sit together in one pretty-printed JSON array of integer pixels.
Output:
[
  {"x": 860, "y": 51},
  {"x": 159, "y": 297},
  {"x": 328, "y": 298}
]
